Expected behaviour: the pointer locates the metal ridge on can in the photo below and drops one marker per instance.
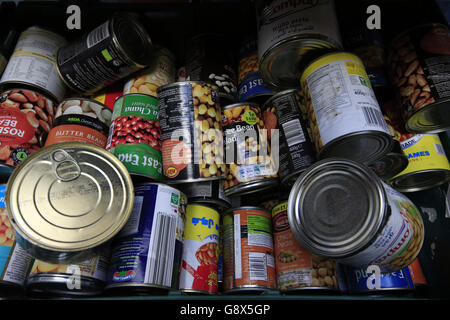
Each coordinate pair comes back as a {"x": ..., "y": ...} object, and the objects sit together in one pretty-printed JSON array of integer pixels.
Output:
[
  {"x": 392, "y": 163},
  {"x": 68, "y": 199}
]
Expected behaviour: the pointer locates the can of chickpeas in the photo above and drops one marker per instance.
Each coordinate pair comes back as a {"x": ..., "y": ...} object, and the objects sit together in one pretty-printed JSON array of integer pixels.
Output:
[
  {"x": 250, "y": 166},
  {"x": 248, "y": 255},
  {"x": 340, "y": 209},
  {"x": 82, "y": 120},
  {"x": 191, "y": 132},
  {"x": 342, "y": 110},
  {"x": 135, "y": 135},
  {"x": 297, "y": 268},
  {"x": 199, "y": 264}
]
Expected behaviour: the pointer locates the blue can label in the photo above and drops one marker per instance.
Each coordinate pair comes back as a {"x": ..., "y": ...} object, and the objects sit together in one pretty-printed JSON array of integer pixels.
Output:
[{"x": 252, "y": 86}]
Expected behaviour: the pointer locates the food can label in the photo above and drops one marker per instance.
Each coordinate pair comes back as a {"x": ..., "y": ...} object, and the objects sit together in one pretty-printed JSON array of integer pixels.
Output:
[
  {"x": 417, "y": 276},
  {"x": 199, "y": 264},
  {"x": 340, "y": 99}
]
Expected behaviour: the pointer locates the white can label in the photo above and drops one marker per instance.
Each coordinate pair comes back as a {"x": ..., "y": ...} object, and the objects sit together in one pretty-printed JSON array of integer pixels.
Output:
[{"x": 16, "y": 268}]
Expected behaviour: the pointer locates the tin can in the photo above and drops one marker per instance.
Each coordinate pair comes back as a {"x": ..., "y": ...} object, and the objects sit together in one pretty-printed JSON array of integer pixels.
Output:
[
  {"x": 249, "y": 264},
  {"x": 428, "y": 164},
  {"x": 26, "y": 117},
  {"x": 290, "y": 35},
  {"x": 251, "y": 87},
  {"x": 135, "y": 135},
  {"x": 206, "y": 192},
  {"x": 296, "y": 268},
  {"x": 68, "y": 199},
  {"x": 115, "y": 49},
  {"x": 146, "y": 254},
  {"x": 86, "y": 278},
  {"x": 199, "y": 265},
  {"x": 340, "y": 209},
  {"x": 14, "y": 261},
  {"x": 391, "y": 164},
  {"x": 109, "y": 95},
  {"x": 250, "y": 166},
  {"x": 417, "y": 61},
  {"x": 80, "y": 120},
  {"x": 344, "y": 116},
  {"x": 296, "y": 152},
  {"x": 191, "y": 132},
  {"x": 160, "y": 72},
  {"x": 33, "y": 62},
  {"x": 210, "y": 58}
]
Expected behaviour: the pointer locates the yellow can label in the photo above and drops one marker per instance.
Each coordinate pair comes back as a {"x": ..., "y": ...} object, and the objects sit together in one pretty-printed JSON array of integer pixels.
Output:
[{"x": 203, "y": 222}]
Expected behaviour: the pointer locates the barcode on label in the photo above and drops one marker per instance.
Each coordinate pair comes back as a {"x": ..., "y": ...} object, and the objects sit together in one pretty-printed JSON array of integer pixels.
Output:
[
  {"x": 373, "y": 117},
  {"x": 257, "y": 266},
  {"x": 98, "y": 34},
  {"x": 293, "y": 132},
  {"x": 161, "y": 250},
  {"x": 439, "y": 149}
]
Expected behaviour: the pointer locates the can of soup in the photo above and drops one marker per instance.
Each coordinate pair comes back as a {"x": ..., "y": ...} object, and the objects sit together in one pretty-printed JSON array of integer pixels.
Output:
[
  {"x": 249, "y": 264},
  {"x": 33, "y": 62},
  {"x": 191, "y": 132},
  {"x": 112, "y": 51},
  {"x": 146, "y": 254},
  {"x": 342, "y": 110},
  {"x": 340, "y": 209}
]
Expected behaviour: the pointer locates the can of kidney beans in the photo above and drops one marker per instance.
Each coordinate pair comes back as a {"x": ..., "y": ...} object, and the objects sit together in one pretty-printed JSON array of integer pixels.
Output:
[
  {"x": 191, "y": 132},
  {"x": 33, "y": 63},
  {"x": 82, "y": 120},
  {"x": 146, "y": 254},
  {"x": 249, "y": 264},
  {"x": 26, "y": 117},
  {"x": 112, "y": 51},
  {"x": 342, "y": 111},
  {"x": 249, "y": 162},
  {"x": 206, "y": 192},
  {"x": 417, "y": 63},
  {"x": 340, "y": 209},
  {"x": 298, "y": 269},
  {"x": 296, "y": 153},
  {"x": 135, "y": 135},
  {"x": 199, "y": 265}
]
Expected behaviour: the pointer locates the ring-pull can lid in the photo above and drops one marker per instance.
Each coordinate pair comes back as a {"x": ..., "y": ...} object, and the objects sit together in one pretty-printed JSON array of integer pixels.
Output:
[
  {"x": 336, "y": 207},
  {"x": 69, "y": 197}
]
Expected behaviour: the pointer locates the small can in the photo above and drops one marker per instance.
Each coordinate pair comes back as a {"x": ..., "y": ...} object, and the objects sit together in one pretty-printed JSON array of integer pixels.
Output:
[
  {"x": 344, "y": 116},
  {"x": 80, "y": 120},
  {"x": 26, "y": 116},
  {"x": 340, "y": 209},
  {"x": 66, "y": 200},
  {"x": 428, "y": 164},
  {"x": 191, "y": 132},
  {"x": 298, "y": 269},
  {"x": 135, "y": 135},
  {"x": 290, "y": 35},
  {"x": 249, "y": 264},
  {"x": 109, "y": 95},
  {"x": 112, "y": 51},
  {"x": 206, "y": 192},
  {"x": 86, "y": 278},
  {"x": 160, "y": 72},
  {"x": 250, "y": 166},
  {"x": 282, "y": 112},
  {"x": 250, "y": 84},
  {"x": 146, "y": 254},
  {"x": 418, "y": 278},
  {"x": 417, "y": 63},
  {"x": 210, "y": 58},
  {"x": 199, "y": 265},
  {"x": 33, "y": 62}
]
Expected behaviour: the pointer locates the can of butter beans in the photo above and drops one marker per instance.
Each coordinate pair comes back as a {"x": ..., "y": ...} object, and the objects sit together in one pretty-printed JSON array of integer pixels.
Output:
[
  {"x": 342, "y": 110},
  {"x": 199, "y": 265},
  {"x": 290, "y": 35},
  {"x": 191, "y": 132},
  {"x": 135, "y": 135},
  {"x": 82, "y": 120},
  {"x": 340, "y": 209},
  {"x": 146, "y": 254},
  {"x": 249, "y": 264}
]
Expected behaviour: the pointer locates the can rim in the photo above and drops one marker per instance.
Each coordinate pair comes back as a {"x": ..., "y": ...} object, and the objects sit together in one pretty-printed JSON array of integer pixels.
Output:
[
  {"x": 181, "y": 83},
  {"x": 395, "y": 182},
  {"x": 247, "y": 187},
  {"x": 413, "y": 123},
  {"x": 239, "y": 104},
  {"x": 230, "y": 211},
  {"x": 277, "y": 95}
]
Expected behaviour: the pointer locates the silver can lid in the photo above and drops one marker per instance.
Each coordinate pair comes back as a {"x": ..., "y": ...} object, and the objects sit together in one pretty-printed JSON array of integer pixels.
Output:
[{"x": 336, "y": 207}]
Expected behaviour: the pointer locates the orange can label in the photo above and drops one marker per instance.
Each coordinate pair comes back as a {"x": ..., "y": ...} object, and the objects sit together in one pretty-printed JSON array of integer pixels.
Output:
[
  {"x": 76, "y": 133},
  {"x": 416, "y": 273}
]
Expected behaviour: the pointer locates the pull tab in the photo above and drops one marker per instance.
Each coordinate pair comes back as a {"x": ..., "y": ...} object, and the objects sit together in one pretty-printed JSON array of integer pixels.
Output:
[{"x": 64, "y": 166}]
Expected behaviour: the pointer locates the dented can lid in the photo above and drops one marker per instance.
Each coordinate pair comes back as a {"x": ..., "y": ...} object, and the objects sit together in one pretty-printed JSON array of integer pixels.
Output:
[
  {"x": 336, "y": 207},
  {"x": 68, "y": 198}
]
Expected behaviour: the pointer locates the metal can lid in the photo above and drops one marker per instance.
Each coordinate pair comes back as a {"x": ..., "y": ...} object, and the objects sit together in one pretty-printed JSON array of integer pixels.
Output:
[
  {"x": 69, "y": 197},
  {"x": 336, "y": 207},
  {"x": 432, "y": 118},
  {"x": 390, "y": 164}
]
